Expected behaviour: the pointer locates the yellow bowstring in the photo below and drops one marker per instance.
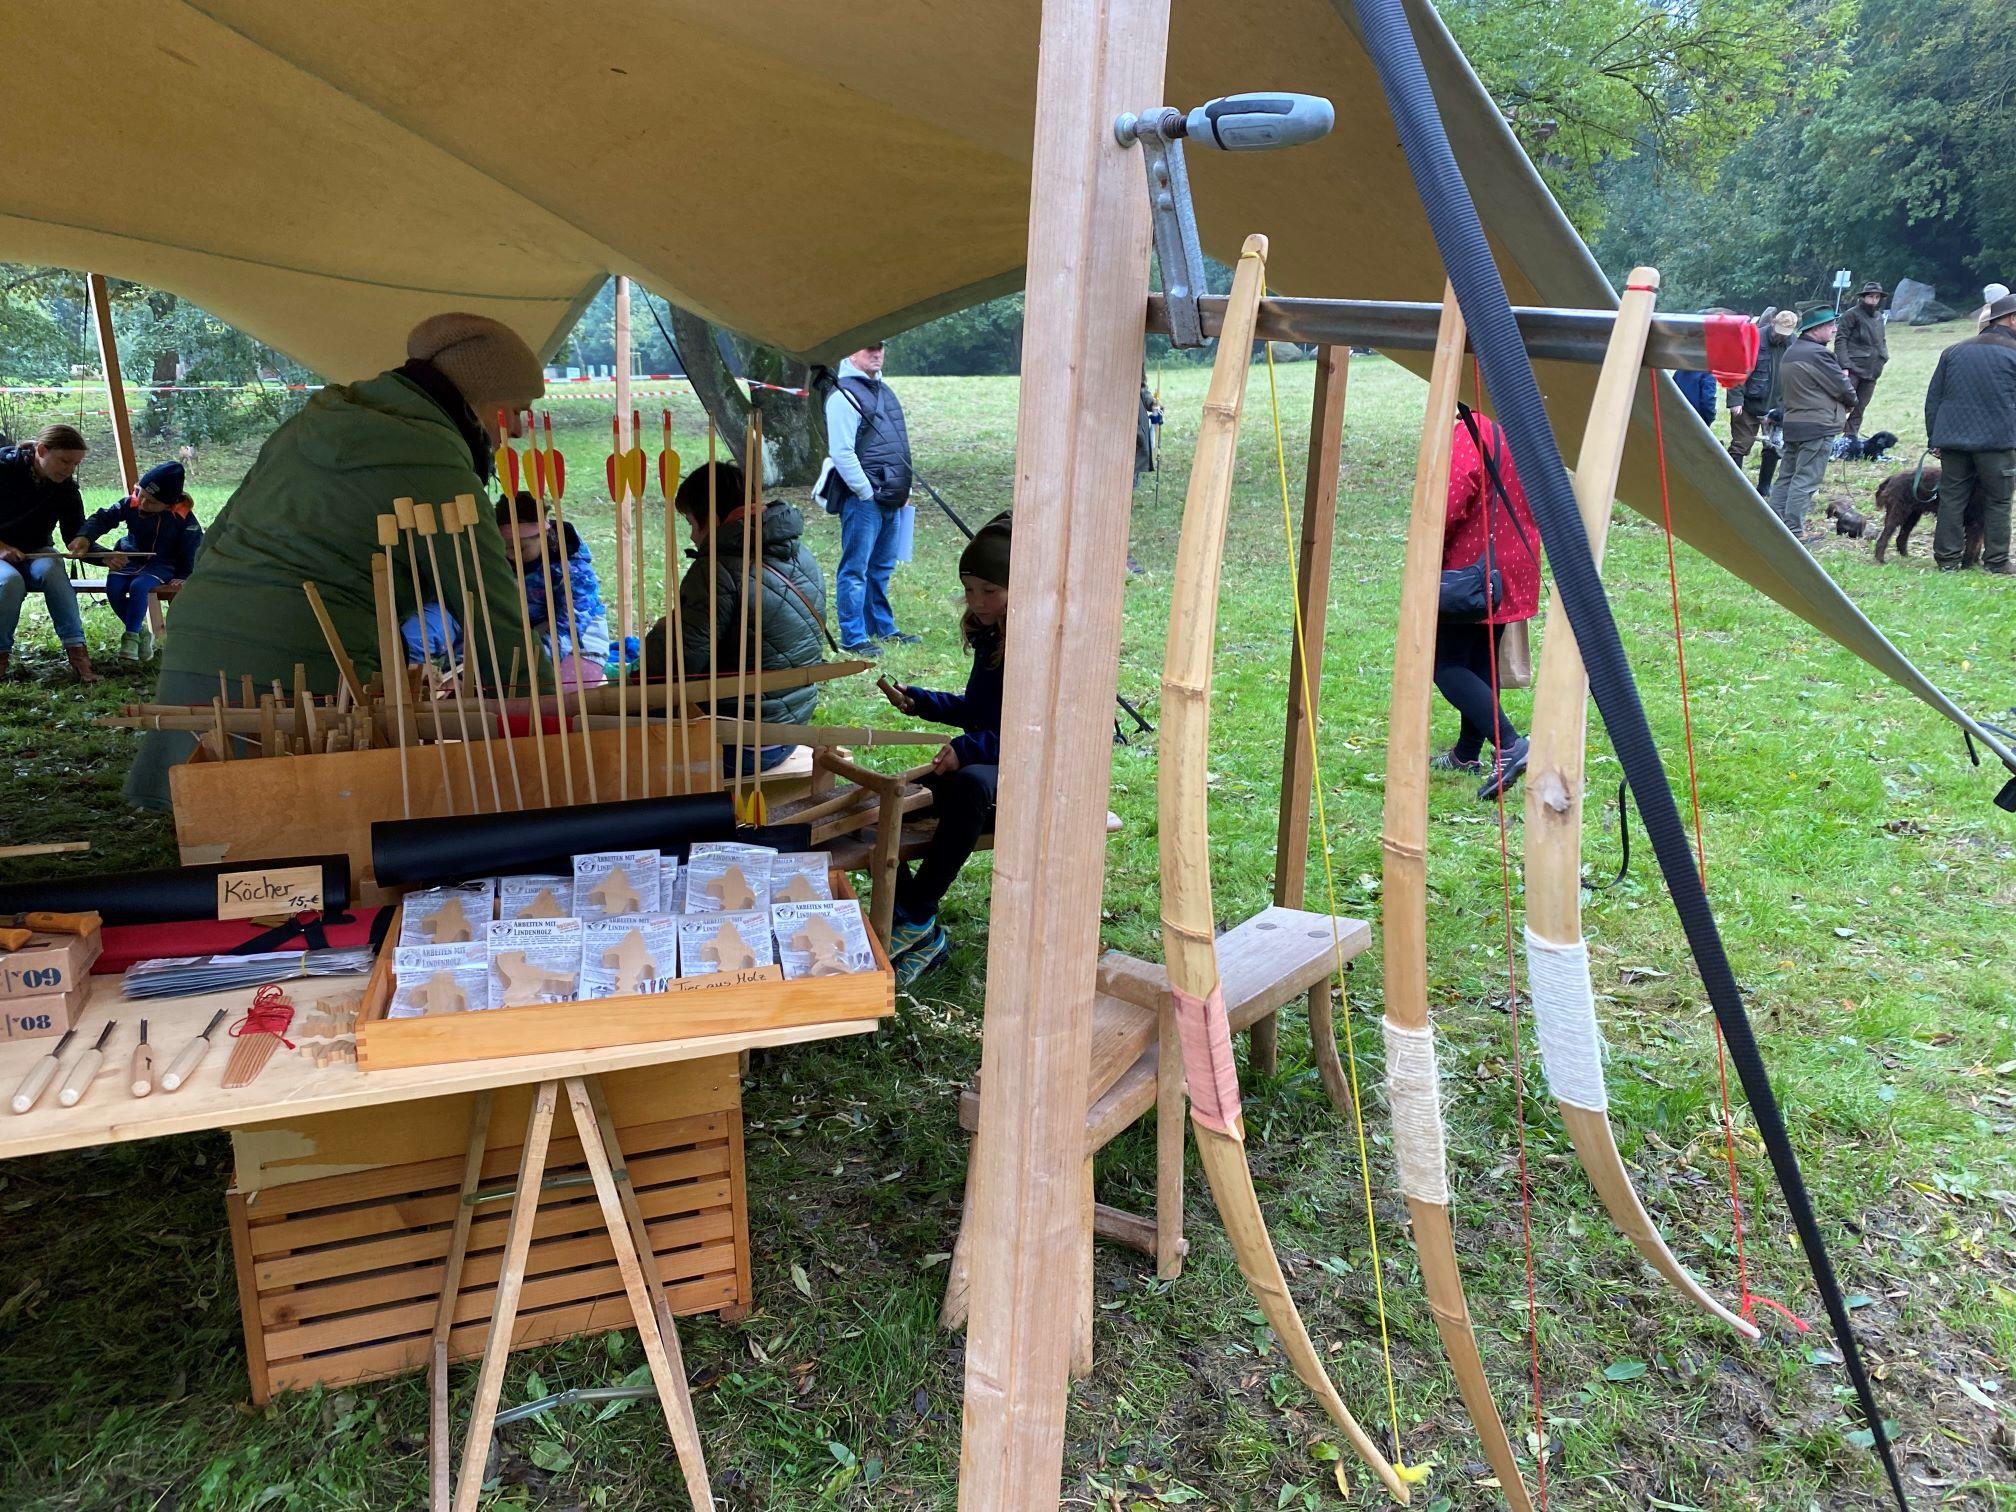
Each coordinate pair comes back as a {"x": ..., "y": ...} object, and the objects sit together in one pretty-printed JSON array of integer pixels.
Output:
[{"x": 1410, "y": 1474}]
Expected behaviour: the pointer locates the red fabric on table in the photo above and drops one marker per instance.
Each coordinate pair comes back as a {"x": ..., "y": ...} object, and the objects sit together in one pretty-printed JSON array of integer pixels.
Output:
[
  {"x": 126, "y": 944},
  {"x": 1463, "y": 537},
  {"x": 519, "y": 722}
]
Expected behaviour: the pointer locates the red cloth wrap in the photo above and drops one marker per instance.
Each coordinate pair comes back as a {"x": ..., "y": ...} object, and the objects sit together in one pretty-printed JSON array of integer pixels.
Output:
[
  {"x": 125, "y": 944},
  {"x": 1208, "y": 1068},
  {"x": 1732, "y": 349}
]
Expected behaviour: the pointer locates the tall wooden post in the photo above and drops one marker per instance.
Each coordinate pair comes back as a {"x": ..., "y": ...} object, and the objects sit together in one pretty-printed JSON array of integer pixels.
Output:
[
  {"x": 624, "y": 545},
  {"x": 115, "y": 386},
  {"x": 1298, "y": 758},
  {"x": 1086, "y": 290}
]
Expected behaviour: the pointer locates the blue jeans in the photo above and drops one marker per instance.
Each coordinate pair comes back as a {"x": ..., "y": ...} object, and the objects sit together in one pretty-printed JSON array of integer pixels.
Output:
[
  {"x": 868, "y": 540},
  {"x": 129, "y": 592},
  {"x": 444, "y": 636},
  {"x": 43, "y": 575}
]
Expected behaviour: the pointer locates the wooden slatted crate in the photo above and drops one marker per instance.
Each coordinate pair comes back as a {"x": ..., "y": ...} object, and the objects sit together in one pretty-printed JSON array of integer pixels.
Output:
[{"x": 339, "y": 1275}]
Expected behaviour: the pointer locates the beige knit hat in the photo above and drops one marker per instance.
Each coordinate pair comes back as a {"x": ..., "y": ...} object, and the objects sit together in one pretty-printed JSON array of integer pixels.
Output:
[{"x": 484, "y": 358}]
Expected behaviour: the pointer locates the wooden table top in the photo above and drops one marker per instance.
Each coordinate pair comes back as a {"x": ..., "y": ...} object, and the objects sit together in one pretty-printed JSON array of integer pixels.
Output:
[{"x": 291, "y": 1086}]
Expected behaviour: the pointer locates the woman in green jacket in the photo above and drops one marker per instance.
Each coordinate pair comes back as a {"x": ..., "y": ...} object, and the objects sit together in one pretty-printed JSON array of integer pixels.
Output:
[{"x": 308, "y": 512}]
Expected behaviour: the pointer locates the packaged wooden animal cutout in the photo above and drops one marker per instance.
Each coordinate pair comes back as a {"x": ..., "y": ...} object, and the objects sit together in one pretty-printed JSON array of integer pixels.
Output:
[
  {"x": 615, "y": 884},
  {"x": 724, "y": 942},
  {"x": 535, "y": 961},
  {"x": 535, "y": 897},
  {"x": 458, "y": 915},
  {"x": 717, "y": 883},
  {"x": 625, "y": 957},
  {"x": 429, "y": 980},
  {"x": 671, "y": 886},
  {"x": 822, "y": 938},
  {"x": 801, "y": 877}
]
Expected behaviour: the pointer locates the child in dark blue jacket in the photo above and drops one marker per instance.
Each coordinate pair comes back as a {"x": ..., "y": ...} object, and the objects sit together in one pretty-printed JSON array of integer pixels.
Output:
[
  {"x": 965, "y": 772},
  {"x": 162, "y": 533}
]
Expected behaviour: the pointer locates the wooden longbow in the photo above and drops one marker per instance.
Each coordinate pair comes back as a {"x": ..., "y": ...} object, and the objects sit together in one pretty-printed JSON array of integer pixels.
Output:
[
  {"x": 1189, "y": 937},
  {"x": 1412, "y": 1081},
  {"x": 1557, "y": 959}
]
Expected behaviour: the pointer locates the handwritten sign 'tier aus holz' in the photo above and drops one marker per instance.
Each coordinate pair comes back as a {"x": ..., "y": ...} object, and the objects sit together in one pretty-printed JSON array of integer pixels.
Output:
[{"x": 276, "y": 890}]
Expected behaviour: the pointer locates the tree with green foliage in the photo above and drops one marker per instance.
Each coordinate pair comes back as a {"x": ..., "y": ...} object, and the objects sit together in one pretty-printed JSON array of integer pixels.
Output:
[{"x": 1589, "y": 84}]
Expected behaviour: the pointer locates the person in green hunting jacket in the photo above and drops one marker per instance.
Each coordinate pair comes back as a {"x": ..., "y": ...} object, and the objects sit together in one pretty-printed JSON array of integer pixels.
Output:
[
  {"x": 308, "y": 512},
  {"x": 794, "y": 604}
]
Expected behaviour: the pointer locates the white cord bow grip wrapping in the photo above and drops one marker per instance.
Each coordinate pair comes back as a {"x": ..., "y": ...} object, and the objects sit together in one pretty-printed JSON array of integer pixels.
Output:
[
  {"x": 1414, "y": 1089},
  {"x": 1564, "y": 1012},
  {"x": 1208, "y": 1069}
]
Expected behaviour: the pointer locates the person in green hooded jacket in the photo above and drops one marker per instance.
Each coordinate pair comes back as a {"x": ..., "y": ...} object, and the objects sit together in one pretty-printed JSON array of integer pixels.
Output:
[{"x": 308, "y": 511}]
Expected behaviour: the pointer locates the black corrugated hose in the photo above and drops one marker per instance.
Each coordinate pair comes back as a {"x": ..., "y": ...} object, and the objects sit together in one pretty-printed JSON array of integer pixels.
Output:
[{"x": 1495, "y": 337}]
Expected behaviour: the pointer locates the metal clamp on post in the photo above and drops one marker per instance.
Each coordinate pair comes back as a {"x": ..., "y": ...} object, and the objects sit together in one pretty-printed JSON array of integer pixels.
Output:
[{"x": 1233, "y": 123}]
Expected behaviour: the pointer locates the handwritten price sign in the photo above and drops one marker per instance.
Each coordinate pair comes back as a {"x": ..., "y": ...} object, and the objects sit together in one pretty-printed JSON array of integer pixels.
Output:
[{"x": 278, "y": 890}]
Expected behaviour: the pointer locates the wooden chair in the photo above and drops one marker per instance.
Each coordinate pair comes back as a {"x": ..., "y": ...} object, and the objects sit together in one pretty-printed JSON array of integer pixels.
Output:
[
  {"x": 1266, "y": 963},
  {"x": 865, "y": 827}
]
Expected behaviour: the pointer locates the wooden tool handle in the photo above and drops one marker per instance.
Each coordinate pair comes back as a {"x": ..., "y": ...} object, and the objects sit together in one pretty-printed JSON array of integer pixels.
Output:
[
  {"x": 143, "y": 1069},
  {"x": 14, "y": 939},
  {"x": 63, "y": 923},
  {"x": 78, "y": 1082},
  {"x": 185, "y": 1064},
  {"x": 34, "y": 1084}
]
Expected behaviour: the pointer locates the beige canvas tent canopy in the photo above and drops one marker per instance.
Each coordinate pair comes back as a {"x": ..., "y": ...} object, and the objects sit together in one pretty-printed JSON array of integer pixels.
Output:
[{"x": 323, "y": 176}]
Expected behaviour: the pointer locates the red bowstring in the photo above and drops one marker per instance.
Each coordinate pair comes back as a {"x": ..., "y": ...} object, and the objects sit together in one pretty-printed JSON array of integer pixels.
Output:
[
  {"x": 270, "y": 1013},
  {"x": 1748, "y": 1297},
  {"x": 1512, "y": 976}
]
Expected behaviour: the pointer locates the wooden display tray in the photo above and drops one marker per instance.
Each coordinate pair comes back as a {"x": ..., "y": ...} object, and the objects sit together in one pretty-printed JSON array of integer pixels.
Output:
[{"x": 595, "y": 1023}]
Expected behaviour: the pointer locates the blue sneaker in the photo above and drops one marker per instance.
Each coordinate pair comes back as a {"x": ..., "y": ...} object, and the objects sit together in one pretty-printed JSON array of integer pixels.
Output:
[
  {"x": 900, "y": 638},
  {"x": 926, "y": 953},
  {"x": 904, "y": 938}
]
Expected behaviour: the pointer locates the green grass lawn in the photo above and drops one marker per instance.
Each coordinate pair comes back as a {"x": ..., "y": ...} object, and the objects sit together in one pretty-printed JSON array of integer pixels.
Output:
[{"x": 1864, "y": 883}]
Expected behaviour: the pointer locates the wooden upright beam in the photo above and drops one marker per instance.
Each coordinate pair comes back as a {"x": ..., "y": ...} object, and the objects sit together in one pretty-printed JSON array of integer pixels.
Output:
[
  {"x": 1298, "y": 758},
  {"x": 1312, "y": 594},
  {"x": 115, "y": 386},
  {"x": 1087, "y": 278}
]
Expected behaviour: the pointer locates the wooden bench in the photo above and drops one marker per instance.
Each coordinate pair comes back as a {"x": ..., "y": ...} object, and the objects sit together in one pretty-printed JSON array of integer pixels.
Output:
[
  {"x": 1265, "y": 963},
  {"x": 95, "y": 588}
]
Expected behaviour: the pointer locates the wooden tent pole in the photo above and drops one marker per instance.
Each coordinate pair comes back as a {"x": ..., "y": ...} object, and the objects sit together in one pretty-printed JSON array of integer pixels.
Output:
[
  {"x": 1298, "y": 754},
  {"x": 1074, "y": 476},
  {"x": 751, "y": 480},
  {"x": 115, "y": 383}
]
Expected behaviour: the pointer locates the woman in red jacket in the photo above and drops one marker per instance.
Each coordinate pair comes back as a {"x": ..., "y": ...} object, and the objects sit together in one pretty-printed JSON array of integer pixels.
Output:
[{"x": 1465, "y": 651}]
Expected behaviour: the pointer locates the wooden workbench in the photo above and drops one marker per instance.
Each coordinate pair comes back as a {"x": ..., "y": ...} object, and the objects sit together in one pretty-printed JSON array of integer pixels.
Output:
[
  {"x": 344, "y": 1193},
  {"x": 291, "y": 1087}
]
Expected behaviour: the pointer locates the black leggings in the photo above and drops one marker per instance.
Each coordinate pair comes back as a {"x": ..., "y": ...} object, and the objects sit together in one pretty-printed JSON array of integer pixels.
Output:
[
  {"x": 1463, "y": 658},
  {"x": 963, "y": 802}
]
